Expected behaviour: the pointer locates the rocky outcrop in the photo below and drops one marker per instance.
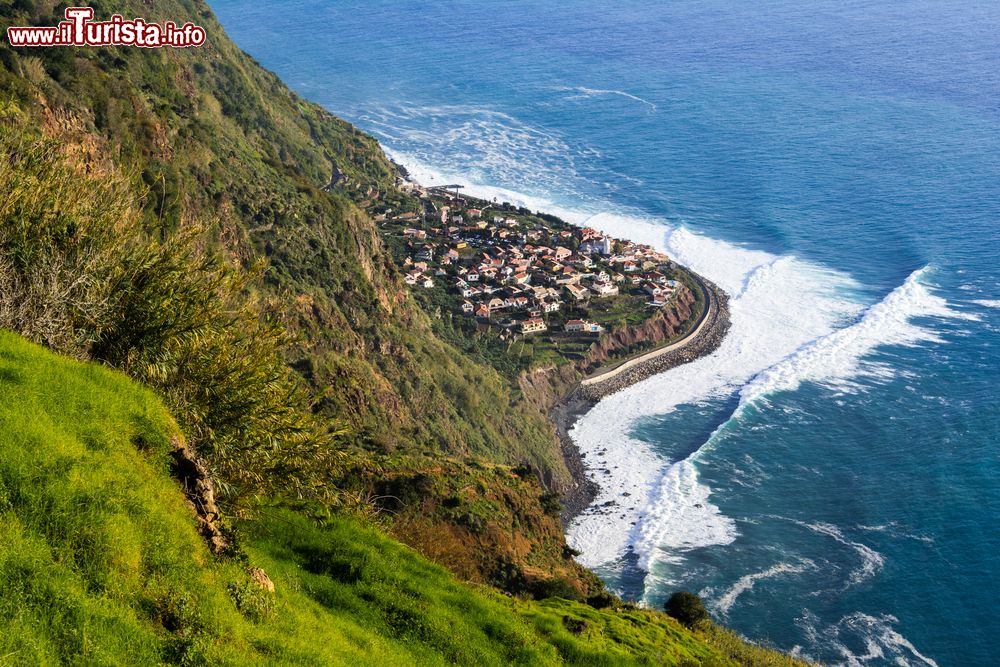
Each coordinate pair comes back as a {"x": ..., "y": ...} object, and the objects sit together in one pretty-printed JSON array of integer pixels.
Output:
[
  {"x": 187, "y": 469},
  {"x": 542, "y": 388},
  {"x": 259, "y": 577}
]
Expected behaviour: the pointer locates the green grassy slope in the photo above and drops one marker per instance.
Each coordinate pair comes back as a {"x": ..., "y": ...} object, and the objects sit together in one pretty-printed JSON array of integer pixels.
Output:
[
  {"x": 100, "y": 561},
  {"x": 99, "y": 558}
]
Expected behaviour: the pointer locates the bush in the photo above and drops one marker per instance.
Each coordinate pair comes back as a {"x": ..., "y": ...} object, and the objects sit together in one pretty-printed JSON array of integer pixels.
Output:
[
  {"x": 602, "y": 600},
  {"x": 686, "y": 608},
  {"x": 554, "y": 587},
  {"x": 551, "y": 503}
]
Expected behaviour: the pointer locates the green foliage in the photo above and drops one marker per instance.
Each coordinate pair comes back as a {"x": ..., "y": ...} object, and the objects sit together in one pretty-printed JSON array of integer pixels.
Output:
[
  {"x": 686, "y": 608},
  {"x": 101, "y": 257},
  {"x": 98, "y": 549},
  {"x": 60, "y": 242}
]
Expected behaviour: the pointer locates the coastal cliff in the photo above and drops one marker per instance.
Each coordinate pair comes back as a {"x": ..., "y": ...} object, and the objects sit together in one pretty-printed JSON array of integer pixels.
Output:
[
  {"x": 667, "y": 323},
  {"x": 705, "y": 337},
  {"x": 545, "y": 386}
]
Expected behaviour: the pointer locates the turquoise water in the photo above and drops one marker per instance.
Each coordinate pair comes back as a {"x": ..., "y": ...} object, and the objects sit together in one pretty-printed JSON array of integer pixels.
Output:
[{"x": 829, "y": 480}]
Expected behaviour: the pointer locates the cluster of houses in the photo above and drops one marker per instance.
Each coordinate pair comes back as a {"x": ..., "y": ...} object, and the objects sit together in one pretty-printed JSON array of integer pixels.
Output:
[{"x": 522, "y": 272}]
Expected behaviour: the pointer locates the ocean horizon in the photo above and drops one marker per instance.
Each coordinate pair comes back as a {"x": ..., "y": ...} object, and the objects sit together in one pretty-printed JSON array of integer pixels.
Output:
[{"x": 828, "y": 480}]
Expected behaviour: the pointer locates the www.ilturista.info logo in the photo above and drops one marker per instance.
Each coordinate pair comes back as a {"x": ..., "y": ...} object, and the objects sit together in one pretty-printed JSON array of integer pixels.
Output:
[{"x": 80, "y": 30}]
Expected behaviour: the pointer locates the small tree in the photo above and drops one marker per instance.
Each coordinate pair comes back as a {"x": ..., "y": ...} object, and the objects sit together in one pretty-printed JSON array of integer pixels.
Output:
[{"x": 686, "y": 608}]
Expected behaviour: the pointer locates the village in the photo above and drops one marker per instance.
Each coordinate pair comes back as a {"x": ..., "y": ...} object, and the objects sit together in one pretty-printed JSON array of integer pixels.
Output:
[{"x": 524, "y": 274}]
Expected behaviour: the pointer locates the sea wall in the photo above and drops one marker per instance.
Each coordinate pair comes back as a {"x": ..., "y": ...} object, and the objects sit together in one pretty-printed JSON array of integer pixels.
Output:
[
  {"x": 663, "y": 325},
  {"x": 544, "y": 387}
]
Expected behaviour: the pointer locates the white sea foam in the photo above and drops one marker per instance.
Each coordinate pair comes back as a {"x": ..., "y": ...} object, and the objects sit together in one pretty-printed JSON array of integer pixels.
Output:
[
  {"x": 473, "y": 145},
  {"x": 893, "y": 529},
  {"x": 883, "y": 644},
  {"x": 987, "y": 303},
  {"x": 746, "y": 583},
  {"x": 834, "y": 359},
  {"x": 871, "y": 560},
  {"x": 672, "y": 510},
  {"x": 788, "y": 326},
  {"x": 792, "y": 322},
  {"x": 600, "y": 92}
]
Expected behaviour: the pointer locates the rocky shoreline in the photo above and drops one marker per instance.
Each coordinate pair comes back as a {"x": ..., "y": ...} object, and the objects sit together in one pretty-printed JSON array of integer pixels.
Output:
[{"x": 579, "y": 400}]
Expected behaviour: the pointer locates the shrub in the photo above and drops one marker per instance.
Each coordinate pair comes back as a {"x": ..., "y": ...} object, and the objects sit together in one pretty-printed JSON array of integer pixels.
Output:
[
  {"x": 686, "y": 608},
  {"x": 554, "y": 587},
  {"x": 602, "y": 600},
  {"x": 551, "y": 503}
]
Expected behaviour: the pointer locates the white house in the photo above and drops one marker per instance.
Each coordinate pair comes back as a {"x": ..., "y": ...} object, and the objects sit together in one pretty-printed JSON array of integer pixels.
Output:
[
  {"x": 583, "y": 326},
  {"x": 604, "y": 289}
]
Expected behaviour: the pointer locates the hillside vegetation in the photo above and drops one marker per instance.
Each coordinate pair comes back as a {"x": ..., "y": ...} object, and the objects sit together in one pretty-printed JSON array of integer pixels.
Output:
[
  {"x": 101, "y": 562},
  {"x": 209, "y": 138}
]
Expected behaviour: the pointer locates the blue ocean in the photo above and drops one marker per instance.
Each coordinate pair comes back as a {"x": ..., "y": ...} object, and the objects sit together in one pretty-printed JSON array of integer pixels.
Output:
[{"x": 829, "y": 479}]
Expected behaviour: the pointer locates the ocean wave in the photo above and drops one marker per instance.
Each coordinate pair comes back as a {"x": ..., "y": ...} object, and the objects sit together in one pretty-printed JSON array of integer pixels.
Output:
[
  {"x": 792, "y": 321},
  {"x": 671, "y": 511},
  {"x": 831, "y": 359},
  {"x": 893, "y": 529},
  {"x": 471, "y": 144},
  {"x": 600, "y": 92},
  {"x": 872, "y": 561},
  {"x": 987, "y": 303},
  {"x": 881, "y": 642},
  {"x": 725, "y": 602},
  {"x": 688, "y": 520},
  {"x": 834, "y": 359}
]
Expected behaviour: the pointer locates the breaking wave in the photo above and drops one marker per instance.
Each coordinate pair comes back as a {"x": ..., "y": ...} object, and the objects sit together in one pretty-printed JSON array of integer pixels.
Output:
[
  {"x": 861, "y": 639},
  {"x": 746, "y": 583},
  {"x": 583, "y": 92}
]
